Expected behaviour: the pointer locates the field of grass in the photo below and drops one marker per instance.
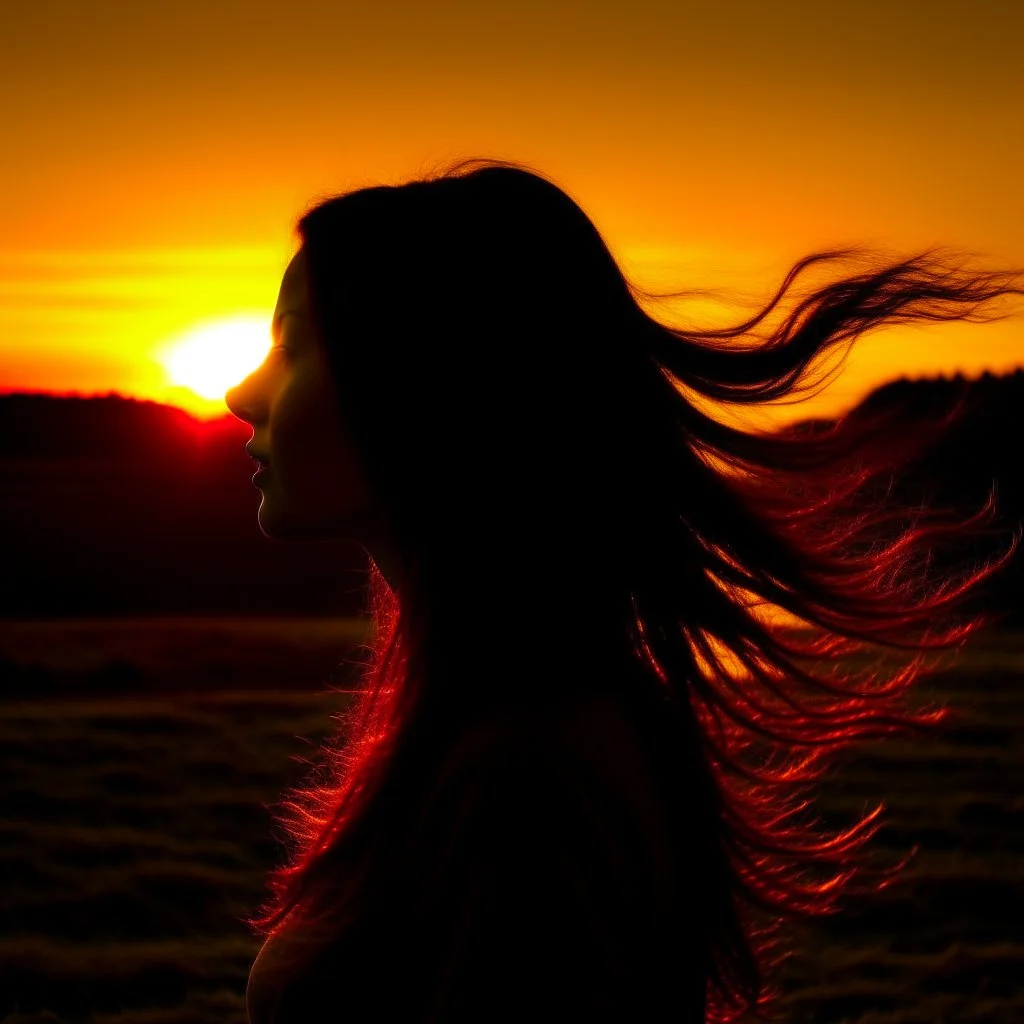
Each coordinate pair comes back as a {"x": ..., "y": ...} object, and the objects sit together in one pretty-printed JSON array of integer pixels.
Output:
[{"x": 139, "y": 760}]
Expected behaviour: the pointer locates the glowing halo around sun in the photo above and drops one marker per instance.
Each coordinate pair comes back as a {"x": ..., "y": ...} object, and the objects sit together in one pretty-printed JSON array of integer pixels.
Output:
[{"x": 213, "y": 357}]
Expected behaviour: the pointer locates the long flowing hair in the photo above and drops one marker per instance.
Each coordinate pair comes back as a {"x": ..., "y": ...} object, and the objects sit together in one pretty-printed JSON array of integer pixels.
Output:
[{"x": 547, "y": 453}]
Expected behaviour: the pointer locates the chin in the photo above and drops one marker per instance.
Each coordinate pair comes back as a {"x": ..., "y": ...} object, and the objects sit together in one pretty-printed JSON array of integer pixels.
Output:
[
  {"x": 267, "y": 525},
  {"x": 273, "y": 525}
]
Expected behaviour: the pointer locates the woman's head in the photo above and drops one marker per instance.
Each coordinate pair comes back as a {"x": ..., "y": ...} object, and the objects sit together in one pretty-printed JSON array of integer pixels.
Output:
[{"x": 456, "y": 378}]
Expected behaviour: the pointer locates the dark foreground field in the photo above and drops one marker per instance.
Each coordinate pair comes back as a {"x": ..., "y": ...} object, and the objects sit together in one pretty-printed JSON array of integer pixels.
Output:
[{"x": 138, "y": 761}]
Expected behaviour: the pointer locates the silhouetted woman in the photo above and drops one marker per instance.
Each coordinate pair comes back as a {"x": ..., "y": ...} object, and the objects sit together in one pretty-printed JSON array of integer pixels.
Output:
[{"x": 571, "y": 787}]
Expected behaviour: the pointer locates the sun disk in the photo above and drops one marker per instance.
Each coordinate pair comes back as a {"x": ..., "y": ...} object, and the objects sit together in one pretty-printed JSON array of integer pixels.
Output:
[{"x": 214, "y": 357}]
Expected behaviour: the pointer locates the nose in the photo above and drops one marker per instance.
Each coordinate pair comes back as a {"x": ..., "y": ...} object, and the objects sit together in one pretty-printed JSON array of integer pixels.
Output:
[{"x": 243, "y": 401}]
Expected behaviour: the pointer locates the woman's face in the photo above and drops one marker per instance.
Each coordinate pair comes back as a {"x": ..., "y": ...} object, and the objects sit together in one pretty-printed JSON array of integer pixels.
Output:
[{"x": 311, "y": 480}]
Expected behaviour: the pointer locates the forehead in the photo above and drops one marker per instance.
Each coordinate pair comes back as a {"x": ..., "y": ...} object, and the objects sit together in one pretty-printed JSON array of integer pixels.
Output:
[{"x": 293, "y": 284}]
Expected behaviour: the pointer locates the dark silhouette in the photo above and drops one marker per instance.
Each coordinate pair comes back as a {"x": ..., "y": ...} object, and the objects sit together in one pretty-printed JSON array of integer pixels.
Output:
[{"x": 573, "y": 784}]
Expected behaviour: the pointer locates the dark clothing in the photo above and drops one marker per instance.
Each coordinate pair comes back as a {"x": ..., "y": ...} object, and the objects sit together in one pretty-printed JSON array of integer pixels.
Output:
[{"x": 542, "y": 888}]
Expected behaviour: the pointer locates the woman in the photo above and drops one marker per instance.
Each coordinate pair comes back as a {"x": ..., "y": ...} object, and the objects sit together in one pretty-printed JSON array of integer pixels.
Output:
[{"x": 569, "y": 788}]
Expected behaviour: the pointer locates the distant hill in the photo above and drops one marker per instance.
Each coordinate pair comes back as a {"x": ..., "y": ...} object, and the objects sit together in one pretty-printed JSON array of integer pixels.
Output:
[{"x": 111, "y": 506}]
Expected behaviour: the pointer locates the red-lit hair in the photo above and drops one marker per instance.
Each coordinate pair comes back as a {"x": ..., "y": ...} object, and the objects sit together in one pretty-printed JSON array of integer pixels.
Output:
[{"x": 593, "y": 416}]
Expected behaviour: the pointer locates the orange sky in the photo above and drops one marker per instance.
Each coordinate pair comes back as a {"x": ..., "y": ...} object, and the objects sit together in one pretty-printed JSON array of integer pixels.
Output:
[{"x": 157, "y": 155}]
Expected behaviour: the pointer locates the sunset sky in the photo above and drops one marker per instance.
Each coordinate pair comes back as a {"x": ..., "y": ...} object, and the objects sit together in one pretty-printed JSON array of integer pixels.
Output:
[{"x": 156, "y": 155}]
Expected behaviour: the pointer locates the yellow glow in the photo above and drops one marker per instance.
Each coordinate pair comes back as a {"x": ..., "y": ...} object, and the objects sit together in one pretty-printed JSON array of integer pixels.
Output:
[{"x": 216, "y": 356}]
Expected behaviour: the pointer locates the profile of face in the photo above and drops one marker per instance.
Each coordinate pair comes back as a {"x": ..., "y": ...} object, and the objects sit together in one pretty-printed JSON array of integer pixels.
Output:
[{"x": 311, "y": 480}]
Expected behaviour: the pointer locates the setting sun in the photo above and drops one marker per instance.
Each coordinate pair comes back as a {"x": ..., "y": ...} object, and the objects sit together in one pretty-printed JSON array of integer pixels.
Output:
[{"x": 214, "y": 357}]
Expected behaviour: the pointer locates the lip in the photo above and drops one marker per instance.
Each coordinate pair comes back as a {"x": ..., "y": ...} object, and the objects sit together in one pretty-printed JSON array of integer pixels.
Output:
[
  {"x": 262, "y": 463},
  {"x": 263, "y": 460}
]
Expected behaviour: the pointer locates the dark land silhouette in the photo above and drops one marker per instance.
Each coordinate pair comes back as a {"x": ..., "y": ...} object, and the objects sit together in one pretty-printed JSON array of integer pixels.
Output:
[{"x": 116, "y": 507}]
